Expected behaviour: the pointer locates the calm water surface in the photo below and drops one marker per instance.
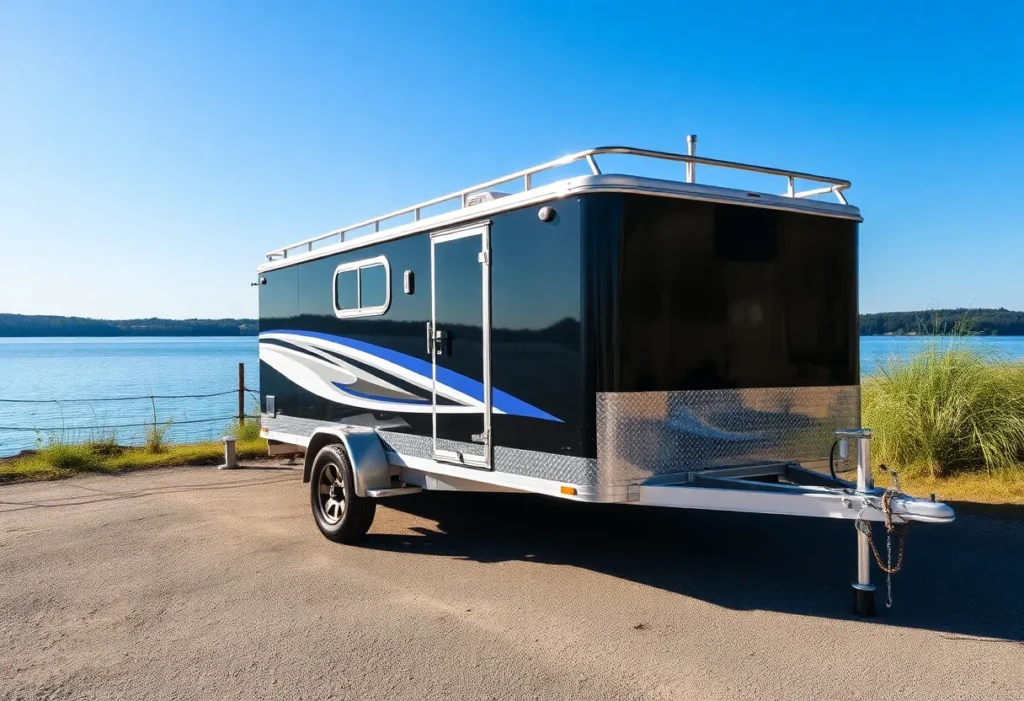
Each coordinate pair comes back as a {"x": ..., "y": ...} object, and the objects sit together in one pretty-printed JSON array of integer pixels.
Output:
[
  {"x": 77, "y": 371},
  {"x": 875, "y": 349},
  {"x": 74, "y": 370}
]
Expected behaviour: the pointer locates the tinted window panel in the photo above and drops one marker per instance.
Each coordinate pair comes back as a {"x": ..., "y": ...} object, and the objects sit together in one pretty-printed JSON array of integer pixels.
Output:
[
  {"x": 717, "y": 296},
  {"x": 346, "y": 289},
  {"x": 373, "y": 285}
]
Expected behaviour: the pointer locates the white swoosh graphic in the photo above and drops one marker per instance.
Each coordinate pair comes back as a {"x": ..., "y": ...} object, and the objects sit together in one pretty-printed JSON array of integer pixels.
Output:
[{"x": 317, "y": 375}]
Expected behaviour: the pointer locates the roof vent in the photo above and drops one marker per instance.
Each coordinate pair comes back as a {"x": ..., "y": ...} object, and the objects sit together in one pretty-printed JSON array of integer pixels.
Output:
[{"x": 481, "y": 197}]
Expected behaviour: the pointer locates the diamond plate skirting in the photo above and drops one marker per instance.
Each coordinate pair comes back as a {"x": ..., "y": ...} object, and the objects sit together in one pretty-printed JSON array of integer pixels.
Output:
[
  {"x": 293, "y": 424},
  {"x": 646, "y": 434},
  {"x": 528, "y": 463}
]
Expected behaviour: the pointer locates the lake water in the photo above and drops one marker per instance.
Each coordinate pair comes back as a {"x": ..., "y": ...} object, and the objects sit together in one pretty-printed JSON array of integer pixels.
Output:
[
  {"x": 76, "y": 372},
  {"x": 875, "y": 349}
]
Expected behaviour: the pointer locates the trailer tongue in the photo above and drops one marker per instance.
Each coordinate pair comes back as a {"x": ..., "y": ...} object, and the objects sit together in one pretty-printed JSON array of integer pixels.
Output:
[
  {"x": 607, "y": 337},
  {"x": 790, "y": 490}
]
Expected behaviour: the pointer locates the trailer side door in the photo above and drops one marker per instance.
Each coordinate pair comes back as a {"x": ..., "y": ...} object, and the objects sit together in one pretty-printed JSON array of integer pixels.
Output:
[{"x": 459, "y": 341}]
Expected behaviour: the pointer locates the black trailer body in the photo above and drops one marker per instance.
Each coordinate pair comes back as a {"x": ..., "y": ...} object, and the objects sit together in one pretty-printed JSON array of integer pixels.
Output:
[
  {"x": 607, "y": 338},
  {"x": 633, "y": 295}
]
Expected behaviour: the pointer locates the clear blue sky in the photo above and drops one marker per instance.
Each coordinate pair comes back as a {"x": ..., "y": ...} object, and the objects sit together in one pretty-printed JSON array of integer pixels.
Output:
[{"x": 150, "y": 153}]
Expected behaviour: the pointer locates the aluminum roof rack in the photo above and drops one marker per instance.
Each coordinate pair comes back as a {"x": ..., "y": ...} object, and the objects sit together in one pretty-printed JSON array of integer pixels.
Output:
[{"x": 834, "y": 186}]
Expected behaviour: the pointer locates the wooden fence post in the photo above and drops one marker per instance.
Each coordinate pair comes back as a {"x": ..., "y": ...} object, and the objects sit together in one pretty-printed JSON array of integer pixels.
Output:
[{"x": 241, "y": 393}]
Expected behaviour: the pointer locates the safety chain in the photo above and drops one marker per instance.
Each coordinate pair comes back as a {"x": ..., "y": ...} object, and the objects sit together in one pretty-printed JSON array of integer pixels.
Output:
[{"x": 890, "y": 528}]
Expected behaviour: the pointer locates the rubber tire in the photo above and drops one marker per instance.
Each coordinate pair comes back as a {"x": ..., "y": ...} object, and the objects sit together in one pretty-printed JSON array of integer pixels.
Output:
[{"x": 359, "y": 511}]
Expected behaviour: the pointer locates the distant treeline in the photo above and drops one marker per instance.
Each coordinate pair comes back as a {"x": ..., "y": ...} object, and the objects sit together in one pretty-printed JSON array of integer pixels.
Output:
[
  {"x": 987, "y": 322},
  {"x": 992, "y": 322},
  {"x": 21, "y": 325}
]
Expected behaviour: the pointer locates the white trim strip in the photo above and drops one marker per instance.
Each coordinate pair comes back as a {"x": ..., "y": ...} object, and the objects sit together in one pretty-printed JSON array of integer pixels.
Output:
[
  {"x": 577, "y": 186},
  {"x": 292, "y": 438}
]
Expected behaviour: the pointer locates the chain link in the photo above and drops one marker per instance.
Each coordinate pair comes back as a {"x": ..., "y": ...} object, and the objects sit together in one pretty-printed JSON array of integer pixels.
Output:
[
  {"x": 888, "y": 571},
  {"x": 890, "y": 528}
]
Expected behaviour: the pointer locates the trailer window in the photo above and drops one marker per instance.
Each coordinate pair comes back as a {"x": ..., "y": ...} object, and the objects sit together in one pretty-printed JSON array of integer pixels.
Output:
[
  {"x": 373, "y": 286},
  {"x": 346, "y": 288},
  {"x": 362, "y": 287}
]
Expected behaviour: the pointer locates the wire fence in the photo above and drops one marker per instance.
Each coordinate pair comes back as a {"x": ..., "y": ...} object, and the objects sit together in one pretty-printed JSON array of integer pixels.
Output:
[{"x": 180, "y": 418}]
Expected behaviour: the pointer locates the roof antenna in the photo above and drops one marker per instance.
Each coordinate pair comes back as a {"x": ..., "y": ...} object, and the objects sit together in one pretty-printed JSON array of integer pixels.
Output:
[{"x": 691, "y": 150}]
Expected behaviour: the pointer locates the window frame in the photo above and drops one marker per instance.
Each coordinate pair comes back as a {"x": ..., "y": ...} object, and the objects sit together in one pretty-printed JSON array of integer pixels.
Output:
[{"x": 357, "y": 266}]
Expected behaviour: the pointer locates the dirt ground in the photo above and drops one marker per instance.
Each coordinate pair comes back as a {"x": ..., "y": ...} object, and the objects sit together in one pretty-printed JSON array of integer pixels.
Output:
[{"x": 197, "y": 583}]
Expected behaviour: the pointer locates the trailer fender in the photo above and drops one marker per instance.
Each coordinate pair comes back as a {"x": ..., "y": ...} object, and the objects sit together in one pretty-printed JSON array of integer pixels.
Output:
[{"x": 369, "y": 466}]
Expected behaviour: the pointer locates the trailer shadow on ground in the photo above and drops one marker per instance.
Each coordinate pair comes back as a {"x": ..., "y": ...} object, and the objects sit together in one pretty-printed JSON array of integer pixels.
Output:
[{"x": 959, "y": 579}]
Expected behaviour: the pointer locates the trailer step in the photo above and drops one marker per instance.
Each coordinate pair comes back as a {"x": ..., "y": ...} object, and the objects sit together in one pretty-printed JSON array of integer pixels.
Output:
[{"x": 393, "y": 491}]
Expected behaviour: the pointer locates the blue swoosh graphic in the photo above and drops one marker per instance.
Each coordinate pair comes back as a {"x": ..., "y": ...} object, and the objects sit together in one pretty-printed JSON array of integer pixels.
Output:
[{"x": 501, "y": 401}]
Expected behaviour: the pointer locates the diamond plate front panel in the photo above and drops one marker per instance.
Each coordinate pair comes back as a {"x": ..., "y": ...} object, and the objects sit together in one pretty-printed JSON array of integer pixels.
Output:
[{"x": 645, "y": 434}]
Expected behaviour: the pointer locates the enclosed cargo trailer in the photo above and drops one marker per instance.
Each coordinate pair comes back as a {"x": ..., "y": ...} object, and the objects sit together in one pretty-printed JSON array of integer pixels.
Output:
[{"x": 605, "y": 337}]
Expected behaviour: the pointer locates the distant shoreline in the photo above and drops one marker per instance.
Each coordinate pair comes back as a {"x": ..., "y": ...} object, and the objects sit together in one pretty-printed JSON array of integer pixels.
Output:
[
  {"x": 937, "y": 322},
  {"x": 944, "y": 322},
  {"x": 36, "y": 326}
]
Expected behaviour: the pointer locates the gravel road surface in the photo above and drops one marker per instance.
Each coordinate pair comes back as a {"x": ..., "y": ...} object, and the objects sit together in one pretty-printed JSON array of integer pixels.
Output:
[{"x": 194, "y": 583}]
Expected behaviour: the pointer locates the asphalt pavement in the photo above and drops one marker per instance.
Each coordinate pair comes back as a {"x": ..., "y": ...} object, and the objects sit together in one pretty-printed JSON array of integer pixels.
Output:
[{"x": 196, "y": 583}]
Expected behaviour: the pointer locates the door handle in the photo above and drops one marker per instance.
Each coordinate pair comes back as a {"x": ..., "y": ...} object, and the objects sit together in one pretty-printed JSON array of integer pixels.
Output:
[{"x": 436, "y": 340}]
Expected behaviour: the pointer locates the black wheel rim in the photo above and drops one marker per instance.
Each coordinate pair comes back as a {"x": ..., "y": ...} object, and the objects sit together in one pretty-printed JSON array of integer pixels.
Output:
[{"x": 331, "y": 494}]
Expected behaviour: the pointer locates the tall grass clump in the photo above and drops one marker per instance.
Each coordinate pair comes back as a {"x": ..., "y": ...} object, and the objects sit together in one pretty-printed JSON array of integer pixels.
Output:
[
  {"x": 951, "y": 406},
  {"x": 104, "y": 444},
  {"x": 245, "y": 430},
  {"x": 155, "y": 439},
  {"x": 66, "y": 456}
]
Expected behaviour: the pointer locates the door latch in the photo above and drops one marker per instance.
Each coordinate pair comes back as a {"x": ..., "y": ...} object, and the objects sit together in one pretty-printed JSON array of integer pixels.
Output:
[
  {"x": 436, "y": 339},
  {"x": 480, "y": 437}
]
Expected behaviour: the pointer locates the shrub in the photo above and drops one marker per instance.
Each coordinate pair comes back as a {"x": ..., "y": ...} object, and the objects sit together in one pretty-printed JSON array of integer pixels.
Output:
[
  {"x": 105, "y": 445},
  {"x": 245, "y": 431},
  {"x": 64, "y": 456},
  {"x": 951, "y": 406},
  {"x": 155, "y": 437}
]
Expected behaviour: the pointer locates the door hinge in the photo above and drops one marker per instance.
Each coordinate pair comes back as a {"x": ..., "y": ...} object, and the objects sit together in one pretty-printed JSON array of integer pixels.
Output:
[
  {"x": 480, "y": 437},
  {"x": 484, "y": 257}
]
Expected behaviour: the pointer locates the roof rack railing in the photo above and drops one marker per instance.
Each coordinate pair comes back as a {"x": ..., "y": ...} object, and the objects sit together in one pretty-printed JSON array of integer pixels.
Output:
[{"x": 833, "y": 186}]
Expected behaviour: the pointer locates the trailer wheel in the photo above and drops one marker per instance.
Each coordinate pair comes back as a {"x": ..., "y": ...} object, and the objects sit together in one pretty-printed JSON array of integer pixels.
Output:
[{"x": 340, "y": 514}]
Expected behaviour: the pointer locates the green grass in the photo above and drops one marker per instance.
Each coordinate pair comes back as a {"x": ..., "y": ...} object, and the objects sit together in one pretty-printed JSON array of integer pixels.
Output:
[
  {"x": 155, "y": 433},
  {"x": 58, "y": 460},
  {"x": 950, "y": 409},
  {"x": 1003, "y": 487},
  {"x": 247, "y": 431}
]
